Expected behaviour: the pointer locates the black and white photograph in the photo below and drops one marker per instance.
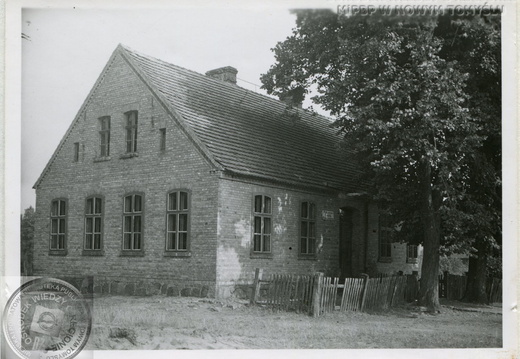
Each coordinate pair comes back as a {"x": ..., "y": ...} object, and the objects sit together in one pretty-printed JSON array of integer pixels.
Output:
[{"x": 260, "y": 178}]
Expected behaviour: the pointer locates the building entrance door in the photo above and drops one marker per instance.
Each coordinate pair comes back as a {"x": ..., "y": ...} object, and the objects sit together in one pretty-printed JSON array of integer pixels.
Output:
[{"x": 345, "y": 241}]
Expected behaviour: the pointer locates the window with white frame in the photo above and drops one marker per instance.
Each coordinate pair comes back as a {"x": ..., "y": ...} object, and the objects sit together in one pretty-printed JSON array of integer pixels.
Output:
[
  {"x": 133, "y": 223},
  {"x": 307, "y": 228},
  {"x": 411, "y": 253},
  {"x": 262, "y": 224},
  {"x": 58, "y": 238},
  {"x": 93, "y": 223},
  {"x": 178, "y": 216}
]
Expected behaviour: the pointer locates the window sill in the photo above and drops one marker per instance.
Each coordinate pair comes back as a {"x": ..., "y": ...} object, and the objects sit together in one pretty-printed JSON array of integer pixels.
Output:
[
  {"x": 307, "y": 257},
  {"x": 131, "y": 253},
  {"x": 129, "y": 155},
  {"x": 411, "y": 260},
  {"x": 93, "y": 252},
  {"x": 174, "y": 254},
  {"x": 56, "y": 252},
  {"x": 258, "y": 255},
  {"x": 385, "y": 260},
  {"x": 102, "y": 159}
]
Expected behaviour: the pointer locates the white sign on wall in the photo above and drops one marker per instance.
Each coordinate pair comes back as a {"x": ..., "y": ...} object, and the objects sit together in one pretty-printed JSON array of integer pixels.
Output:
[{"x": 327, "y": 215}]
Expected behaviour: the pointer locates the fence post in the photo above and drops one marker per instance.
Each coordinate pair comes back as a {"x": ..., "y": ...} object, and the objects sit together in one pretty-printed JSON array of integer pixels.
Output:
[
  {"x": 447, "y": 284},
  {"x": 365, "y": 286},
  {"x": 316, "y": 294},
  {"x": 256, "y": 285},
  {"x": 395, "y": 289}
]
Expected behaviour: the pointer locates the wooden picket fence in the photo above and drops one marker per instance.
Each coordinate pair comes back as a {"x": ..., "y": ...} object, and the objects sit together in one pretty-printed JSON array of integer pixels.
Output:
[
  {"x": 317, "y": 294},
  {"x": 284, "y": 292},
  {"x": 352, "y": 296},
  {"x": 452, "y": 286},
  {"x": 495, "y": 290},
  {"x": 385, "y": 292}
]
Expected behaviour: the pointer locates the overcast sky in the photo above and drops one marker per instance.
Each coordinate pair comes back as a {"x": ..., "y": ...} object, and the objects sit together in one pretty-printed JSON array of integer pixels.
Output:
[{"x": 68, "y": 49}]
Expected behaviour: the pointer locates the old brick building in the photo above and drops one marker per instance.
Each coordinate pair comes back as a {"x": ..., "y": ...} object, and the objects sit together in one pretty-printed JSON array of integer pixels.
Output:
[{"x": 170, "y": 180}]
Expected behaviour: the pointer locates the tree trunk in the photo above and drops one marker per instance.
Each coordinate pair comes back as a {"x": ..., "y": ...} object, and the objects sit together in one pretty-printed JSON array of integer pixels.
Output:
[
  {"x": 477, "y": 276},
  {"x": 431, "y": 200}
]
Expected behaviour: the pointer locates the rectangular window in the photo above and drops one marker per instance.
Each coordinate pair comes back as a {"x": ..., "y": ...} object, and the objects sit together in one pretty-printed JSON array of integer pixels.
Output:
[
  {"x": 58, "y": 225},
  {"x": 177, "y": 228},
  {"x": 262, "y": 224},
  {"x": 104, "y": 136},
  {"x": 76, "y": 151},
  {"x": 307, "y": 228},
  {"x": 131, "y": 131},
  {"x": 133, "y": 223},
  {"x": 411, "y": 253},
  {"x": 162, "y": 139},
  {"x": 93, "y": 223},
  {"x": 385, "y": 238}
]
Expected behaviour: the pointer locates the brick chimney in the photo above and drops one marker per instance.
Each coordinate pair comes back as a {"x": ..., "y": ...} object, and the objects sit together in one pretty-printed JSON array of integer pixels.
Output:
[{"x": 226, "y": 74}]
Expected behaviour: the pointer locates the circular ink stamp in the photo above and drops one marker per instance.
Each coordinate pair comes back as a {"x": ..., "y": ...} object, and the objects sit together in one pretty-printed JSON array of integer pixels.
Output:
[{"x": 47, "y": 318}]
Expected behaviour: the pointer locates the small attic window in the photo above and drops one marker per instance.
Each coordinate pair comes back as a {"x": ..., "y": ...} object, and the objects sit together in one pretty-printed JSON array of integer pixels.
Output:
[
  {"x": 131, "y": 131},
  {"x": 104, "y": 136},
  {"x": 162, "y": 139},
  {"x": 76, "y": 152}
]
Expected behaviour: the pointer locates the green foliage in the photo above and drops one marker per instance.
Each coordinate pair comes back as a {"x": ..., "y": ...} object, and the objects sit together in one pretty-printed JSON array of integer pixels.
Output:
[
  {"x": 405, "y": 92},
  {"x": 27, "y": 240},
  {"x": 476, "y": 215},
  {"x": 453, "y": 265},
  {"x": 418, "y": 100}
]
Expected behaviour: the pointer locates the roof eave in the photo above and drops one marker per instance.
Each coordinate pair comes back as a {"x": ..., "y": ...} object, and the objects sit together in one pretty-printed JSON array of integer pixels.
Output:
[{"x": 232, "y": 174}]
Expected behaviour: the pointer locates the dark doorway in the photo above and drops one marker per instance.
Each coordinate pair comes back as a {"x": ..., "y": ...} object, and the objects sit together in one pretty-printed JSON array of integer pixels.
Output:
[{"x": 345, "y": 241}]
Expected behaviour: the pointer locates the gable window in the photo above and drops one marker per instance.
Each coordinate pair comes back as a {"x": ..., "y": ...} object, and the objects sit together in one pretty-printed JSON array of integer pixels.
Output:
[
  {"x": 76, "y": 152},
  {"x": 131, "y": 131},
  {"x": 385, "y": 239},
  {"x": 93, "y": 224},
  {"x": 262, "y": 224},
  {"x": 162, "y": 139},
  {"x": 58, "y": 240},
  {"x": 307, "y": 228},
  {"x": 411, "y": 253},
  {"x": 104, "y": 136},
  {"x": 133, "y": 223},
  {"x": 177, "y": 227}
]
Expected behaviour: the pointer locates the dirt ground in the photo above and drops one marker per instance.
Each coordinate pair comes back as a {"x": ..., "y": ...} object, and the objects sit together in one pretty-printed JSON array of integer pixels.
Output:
[{"x": 194, "y": 323}]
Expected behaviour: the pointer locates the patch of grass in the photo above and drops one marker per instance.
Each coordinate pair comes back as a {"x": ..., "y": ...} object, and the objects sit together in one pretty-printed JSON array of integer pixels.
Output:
[
  {"x": 255, "y": 327},
  {"x": 123, "y": 333}
]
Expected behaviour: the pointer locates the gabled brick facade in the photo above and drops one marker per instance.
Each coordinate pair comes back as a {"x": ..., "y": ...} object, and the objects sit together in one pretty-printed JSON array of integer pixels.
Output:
[
  {"x": 220, "y": 178},
  {"x": 153, "y": 173}
]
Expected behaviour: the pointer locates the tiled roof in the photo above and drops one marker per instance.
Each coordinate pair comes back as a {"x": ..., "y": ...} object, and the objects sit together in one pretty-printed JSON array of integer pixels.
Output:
[{"x": 251, "y": 134}]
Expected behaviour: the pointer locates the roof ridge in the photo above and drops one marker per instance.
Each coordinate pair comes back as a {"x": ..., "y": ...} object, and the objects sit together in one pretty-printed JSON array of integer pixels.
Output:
[
  {"x": 138, "y": 53},
  {"x": 249, "y": 132},
  {"x": 219, "y": 82}
]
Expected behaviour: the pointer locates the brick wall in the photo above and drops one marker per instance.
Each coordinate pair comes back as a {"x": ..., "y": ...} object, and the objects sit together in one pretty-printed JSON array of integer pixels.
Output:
[
  {"x": 153, "y": 173},
  {"x": 236, "y": 266},
  {"x": 399, "y": 261}
]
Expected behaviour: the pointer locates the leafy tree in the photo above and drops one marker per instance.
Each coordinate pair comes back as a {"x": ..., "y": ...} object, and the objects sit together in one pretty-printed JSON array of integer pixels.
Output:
[
  {"x": 474, "y": 223},
  {"x": 27, "y": 240},
  {"x": 403, "y": 106}
]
